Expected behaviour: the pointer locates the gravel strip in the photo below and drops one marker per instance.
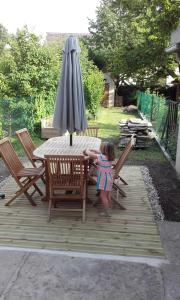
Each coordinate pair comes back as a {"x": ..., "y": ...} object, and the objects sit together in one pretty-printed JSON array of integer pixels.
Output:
[
  {"x": 4, "y": 182},
  {"x": 152, "y": 194}
]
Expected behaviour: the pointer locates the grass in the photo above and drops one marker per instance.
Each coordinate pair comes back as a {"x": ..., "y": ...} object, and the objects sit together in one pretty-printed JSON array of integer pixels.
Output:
[
  {"x": 18, "y": 148},
  {"x": 107, "y": 120}
]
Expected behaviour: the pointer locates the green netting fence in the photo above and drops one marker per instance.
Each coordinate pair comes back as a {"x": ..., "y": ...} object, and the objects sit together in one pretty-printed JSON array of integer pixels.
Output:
[
  {"x": 17, "y": 113},
  {"x": 164, "y": 115}
]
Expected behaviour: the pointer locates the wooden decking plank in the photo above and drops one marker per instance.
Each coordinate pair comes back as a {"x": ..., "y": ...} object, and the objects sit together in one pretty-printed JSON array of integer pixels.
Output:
[
  {"x": 138, "y": 236},
  {"x": 76, "y": 247},
  {"x": 129, "y": 232},
  {"x": 102, "y": 242},
  {"x": 123, "y": 228}
]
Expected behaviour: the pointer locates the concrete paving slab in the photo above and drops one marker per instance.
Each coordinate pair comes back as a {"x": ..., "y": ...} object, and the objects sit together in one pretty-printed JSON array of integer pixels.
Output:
[
  {"x": 55, "y": 277},
  {"x": 10, "y": 263},
  {"x": 171, "y": 278},
  {"x": 170, "y": 238},
  {"x": 27, "y": 274}
]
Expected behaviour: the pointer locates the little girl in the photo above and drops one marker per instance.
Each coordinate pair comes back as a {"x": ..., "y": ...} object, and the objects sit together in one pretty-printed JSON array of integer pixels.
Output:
[{"x": 104, "y": 172}]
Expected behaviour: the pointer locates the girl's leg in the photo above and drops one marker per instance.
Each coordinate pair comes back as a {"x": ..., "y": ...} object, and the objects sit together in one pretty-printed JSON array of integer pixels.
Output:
[
  {"x": 104, "y": 199},
  {"x": 109, "y": 199}
]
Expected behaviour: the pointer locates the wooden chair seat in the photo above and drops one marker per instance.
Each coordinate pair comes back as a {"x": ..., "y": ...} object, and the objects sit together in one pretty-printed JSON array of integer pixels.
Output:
[
  {"x": 29, "y": 172},
  {"x": 24, "y": 177}
]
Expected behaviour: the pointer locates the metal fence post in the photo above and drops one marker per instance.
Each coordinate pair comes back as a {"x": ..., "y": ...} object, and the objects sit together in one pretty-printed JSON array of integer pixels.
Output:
[
  {"x": 152, "y": 103},
  {"x": 177, "y": 165}
]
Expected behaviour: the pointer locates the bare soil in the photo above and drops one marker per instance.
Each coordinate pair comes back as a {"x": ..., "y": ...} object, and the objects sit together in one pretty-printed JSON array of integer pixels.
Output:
[{"x": 167, "y": 184}]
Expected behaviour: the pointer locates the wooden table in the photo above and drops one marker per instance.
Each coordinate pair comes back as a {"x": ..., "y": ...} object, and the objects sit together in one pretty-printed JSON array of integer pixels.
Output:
[{"x": 60, "y": 146}]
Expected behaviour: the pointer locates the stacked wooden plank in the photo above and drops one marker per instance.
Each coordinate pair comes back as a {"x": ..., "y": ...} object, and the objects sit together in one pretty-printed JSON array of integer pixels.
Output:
[{"x": 141, "y": 129}]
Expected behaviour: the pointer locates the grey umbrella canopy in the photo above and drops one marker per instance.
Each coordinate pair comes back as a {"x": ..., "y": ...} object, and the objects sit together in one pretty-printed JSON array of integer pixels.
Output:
[{"x": 69, "y": 113}]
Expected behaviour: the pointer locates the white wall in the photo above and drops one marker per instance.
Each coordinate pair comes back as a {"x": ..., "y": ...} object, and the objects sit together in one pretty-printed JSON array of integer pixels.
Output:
[{"x": 111, "y": 88}]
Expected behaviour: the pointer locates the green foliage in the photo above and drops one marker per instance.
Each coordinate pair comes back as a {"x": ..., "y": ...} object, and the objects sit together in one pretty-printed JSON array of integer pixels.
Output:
[
  {"x": 163, "y": 115},
  {"x": 3, "y": 38},
  {"x": 92, "y": 81},
  {"x": 93, "y": 90},
  {"x": 29, "y": 74},
  {"x": 133, "y": 36},
  {"x": 29, "y": 70}
]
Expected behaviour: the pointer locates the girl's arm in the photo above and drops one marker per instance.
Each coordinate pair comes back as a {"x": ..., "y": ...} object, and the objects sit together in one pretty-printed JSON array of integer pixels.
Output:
[
  {"x": 90, "y": 153},
  {"x": 95, "y": 151}
]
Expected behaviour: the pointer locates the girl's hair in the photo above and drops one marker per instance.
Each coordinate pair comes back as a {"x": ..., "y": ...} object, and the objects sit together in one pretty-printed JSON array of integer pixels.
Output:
[{"x": 108, "y": 150}]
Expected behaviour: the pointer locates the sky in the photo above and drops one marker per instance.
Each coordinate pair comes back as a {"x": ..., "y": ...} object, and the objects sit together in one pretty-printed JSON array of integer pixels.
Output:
[{"x": 41, "y": 16}]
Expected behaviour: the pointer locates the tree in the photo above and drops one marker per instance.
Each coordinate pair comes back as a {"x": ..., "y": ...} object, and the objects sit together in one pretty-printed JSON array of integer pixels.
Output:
[
  {"x": 3, "y": 38},
  {"x": 133, "y": 36},
  {"x": 29, "y": 72},
  {"x": 92, "y": 81}
]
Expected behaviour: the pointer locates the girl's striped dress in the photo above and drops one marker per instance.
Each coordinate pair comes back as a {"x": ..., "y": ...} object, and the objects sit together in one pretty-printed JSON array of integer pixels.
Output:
[{"x": 105, "y": 173}]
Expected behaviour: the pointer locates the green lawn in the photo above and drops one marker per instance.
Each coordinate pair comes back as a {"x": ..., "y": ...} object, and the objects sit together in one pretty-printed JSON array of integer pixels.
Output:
[
  {"x": 107, "y": 120},
  {"x": 18, "y": 148}
]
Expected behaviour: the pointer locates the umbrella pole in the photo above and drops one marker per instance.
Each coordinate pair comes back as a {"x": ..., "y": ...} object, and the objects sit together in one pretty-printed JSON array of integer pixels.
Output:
[{"x": 71, "y": 139}]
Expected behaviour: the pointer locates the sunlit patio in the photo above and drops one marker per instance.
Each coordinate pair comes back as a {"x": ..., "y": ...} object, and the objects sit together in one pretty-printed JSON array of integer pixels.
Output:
[{"x": 130, "y": 232}]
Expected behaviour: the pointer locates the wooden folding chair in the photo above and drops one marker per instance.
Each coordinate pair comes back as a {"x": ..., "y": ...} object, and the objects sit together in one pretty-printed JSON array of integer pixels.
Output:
[
  {"x": 28, "y": 145},
  {"x": 117, "y": 166},
  {"x": 90, "y": 131},
  {"x": 24, "y": 177},
  {"x": 66, "y": 181}
]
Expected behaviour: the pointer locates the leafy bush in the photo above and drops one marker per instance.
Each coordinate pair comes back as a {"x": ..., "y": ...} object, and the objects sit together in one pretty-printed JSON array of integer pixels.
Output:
[
  {"x": 93, "y": 81},
  {"x": 29, "y": 74},
  {"x": 93, "y": 90}
]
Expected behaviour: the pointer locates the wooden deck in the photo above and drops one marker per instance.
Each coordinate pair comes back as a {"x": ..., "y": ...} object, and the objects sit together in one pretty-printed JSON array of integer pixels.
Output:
[{"x": 130, "y": 232}]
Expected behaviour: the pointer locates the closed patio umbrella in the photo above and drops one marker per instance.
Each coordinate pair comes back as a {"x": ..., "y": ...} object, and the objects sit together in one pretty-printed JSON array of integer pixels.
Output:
[{"x": 69, "y": 113}]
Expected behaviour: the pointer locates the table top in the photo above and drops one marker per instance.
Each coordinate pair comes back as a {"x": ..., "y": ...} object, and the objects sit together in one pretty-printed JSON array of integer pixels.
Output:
[{"x": 61, "y": 146}]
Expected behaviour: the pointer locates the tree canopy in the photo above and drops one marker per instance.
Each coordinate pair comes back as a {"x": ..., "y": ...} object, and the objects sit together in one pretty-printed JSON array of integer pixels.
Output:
[
  {"x": 29, "y": 73},
  {"x": 129, "y": 38}
]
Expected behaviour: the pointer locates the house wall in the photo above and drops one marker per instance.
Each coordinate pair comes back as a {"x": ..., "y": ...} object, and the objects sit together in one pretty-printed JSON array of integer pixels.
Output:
[{"x": 111, "y": 84}]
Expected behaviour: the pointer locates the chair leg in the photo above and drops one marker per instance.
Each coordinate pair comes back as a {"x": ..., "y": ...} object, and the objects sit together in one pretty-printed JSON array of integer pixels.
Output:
[
  {"x": 116, "y": 187},
  {"x": 18, "y": 194},
  {"x": 30, "y": 199},
  {"x": 123, "y": 180},
  {"x": 37, "y": 189},
  {"x": 43, "y": 180},
  {"x": 23, "y": 189},
  {"x": 49, "y": 210},
  {"x": 84, "y": 211},
  {"x": 117, "y": 200}
]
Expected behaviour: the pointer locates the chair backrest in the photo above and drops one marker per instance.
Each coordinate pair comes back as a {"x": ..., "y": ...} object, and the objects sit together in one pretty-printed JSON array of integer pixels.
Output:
[
  {"x": 10, "y": 157},
  {"x": 120, "y": 162},
  {"x": 90, "y": 131},
  {"x": 27, "y": 143},
  {"x": 65, "y": 172}
]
